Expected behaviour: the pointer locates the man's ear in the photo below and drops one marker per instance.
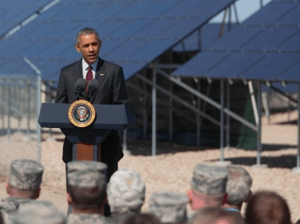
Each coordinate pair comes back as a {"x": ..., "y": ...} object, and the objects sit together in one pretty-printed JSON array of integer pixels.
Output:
[
  {"x": 38, "y": 193},
  {"x": 100, "y": 43},
  {"x": 77, "y": 48},
  {"x": 248, "y": 197},
  {"x": 7, "y": 188},
  {"x": 69, "y": 199},
  {"x": 225, "y": 198}
]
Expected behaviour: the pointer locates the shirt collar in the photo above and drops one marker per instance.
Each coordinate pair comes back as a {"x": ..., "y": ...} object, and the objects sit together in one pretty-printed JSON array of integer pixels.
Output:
[{"x": 85, "y": 65}]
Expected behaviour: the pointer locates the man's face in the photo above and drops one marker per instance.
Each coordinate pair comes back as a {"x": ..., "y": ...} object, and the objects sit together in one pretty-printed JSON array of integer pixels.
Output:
[{"x": 89, "y": 47}]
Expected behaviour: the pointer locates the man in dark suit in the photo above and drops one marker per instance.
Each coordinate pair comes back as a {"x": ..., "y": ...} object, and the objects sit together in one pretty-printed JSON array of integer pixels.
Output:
[{"x": 112, "y": 90}]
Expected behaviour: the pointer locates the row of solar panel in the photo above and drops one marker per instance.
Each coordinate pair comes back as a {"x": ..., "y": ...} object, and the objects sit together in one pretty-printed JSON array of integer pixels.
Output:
[
  {"x": 257, "y": 53},
  {"x": 50, "y": 38}
]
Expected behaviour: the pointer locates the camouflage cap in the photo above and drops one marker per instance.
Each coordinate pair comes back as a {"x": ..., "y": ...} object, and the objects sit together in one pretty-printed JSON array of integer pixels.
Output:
[
  {"x": 25, "y": 174},
  {"x": 42, "y": 212},
  {"x": 87, "y": 165},
  {"x": 209, "y": 179},
  {"x": 126, "y": 191},
  {"x": 86, "y": 178},
  {"x": 168, "y": 206}
]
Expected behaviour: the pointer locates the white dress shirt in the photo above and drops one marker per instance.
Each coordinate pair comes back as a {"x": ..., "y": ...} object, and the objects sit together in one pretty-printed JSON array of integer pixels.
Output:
[{"x": 85, "y": 68}]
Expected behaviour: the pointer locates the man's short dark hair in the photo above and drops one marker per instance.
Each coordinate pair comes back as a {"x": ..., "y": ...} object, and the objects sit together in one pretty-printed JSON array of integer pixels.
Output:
[
  {"x": 86, "y": 31},
  {"x": 86, "y": 197},
  {"x": 26, "y": 193},
  {"x": 268, "y": 208},
  {"x": 142, "y": 219}
]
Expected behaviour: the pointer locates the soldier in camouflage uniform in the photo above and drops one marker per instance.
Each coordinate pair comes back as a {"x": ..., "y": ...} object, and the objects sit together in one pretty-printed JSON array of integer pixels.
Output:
[
  {"x": 169, "y": 207},
  {"x": 126, "y": 194},
  {"x": 38, "y": 212},
  {"x": 23, "y": 185},
  {"x": 86, "y": 190},
  {"x": 208, "y": 186}
]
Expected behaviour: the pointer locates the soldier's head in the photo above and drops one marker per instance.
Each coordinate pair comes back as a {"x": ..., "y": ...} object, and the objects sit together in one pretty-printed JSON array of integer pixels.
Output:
[
  {"x": 42, "y": 212},
  {"x": 126, "y": 191},
  {"x": 86, "y": 188},
  {"x": 238, "y": 186},
  {"x": 208, "y": 186},
  {"x": 169, "y": 207},
  {"x": 213, "y": 215},
  {"x": 25, "y": 179}
]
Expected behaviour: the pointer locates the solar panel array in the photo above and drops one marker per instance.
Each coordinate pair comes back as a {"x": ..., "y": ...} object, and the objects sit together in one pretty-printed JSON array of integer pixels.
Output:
[
  {"x": 13, "y": 12},
  {"x": 133, "y": 32},
  {"x": 264, "y": 47}
]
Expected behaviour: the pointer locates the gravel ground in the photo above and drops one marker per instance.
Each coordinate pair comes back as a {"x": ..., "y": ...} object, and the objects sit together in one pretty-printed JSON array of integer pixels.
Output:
[{"x": 172, "y": 168}]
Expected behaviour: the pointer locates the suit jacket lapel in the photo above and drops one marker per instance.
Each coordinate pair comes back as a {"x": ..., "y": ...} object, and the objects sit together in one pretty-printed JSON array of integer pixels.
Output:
[
  {"x": 100, "y": 70},
  {"x": 77, "y": 73}
]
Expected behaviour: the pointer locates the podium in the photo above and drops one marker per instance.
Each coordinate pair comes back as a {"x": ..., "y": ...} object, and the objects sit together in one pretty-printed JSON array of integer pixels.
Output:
[{"x": 86, "y": 141}]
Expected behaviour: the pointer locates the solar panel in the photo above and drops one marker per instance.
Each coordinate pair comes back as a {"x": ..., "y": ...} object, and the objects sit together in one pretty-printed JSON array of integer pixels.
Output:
[
  {"x": 236, "y": 38},
  {"x": 269, "y": 14},
  {"x": 271, "y": 38},
  {"x": 15, "y": 11},
  {"x": 235, "y": 65},
  {"x": 292, "y": 74},
  {"x": 271, "y": 67},
  {"x": 208, "y": 62},
  {"x": 133, "y": 33}
]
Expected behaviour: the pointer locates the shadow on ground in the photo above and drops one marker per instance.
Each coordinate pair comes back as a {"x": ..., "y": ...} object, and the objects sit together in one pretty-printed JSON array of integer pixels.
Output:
[{"x": 285, "y": 161}]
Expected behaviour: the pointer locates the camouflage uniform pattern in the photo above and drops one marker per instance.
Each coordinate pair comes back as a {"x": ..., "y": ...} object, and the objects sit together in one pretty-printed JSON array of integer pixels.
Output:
[
  {"x": 86, "y": 219},
  {"x": 126, "y": 191},
  {"x": 87, "y": 179},
  {"x": 168, "y": 206},
  {"x": 38, "y": 212},
  {"x": 209, "y": 179},
  {"x": 25, "y": 174},
  {"x": 87, "y": 165}
]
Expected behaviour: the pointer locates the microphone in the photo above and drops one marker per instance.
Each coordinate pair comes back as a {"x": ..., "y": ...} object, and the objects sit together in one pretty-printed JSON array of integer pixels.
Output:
[
  {"x": 79, "y": 87},
  {"x": 92, "y": 87}
]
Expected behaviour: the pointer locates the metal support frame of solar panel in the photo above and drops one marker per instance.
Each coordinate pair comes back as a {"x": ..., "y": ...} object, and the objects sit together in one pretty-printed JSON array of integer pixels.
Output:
[
  {"x": 252, "y": 47},
  {"x": 132, "y": 40},
  {"x": 16, "y": 12}
]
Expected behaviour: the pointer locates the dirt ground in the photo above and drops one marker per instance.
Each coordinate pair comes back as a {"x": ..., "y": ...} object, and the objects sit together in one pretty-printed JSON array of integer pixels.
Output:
[{"x": 172, "y": 168}]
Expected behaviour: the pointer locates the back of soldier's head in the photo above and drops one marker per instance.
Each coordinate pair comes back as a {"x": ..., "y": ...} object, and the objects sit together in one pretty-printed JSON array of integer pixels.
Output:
[
  {"x": 238, "y": 185},
  {"x": 267, "y": 208},
  {"x": 42, "y": 212},
  {"x": 126, "y": 191},
  {"x": 214, "y": 215},
  {"x": 168, "y": 206},
  {"x": 86, "y": 188},
  {"x": 209, "y": 179},
  {"x": 208, "y": 186},
  {"x": 143, "y": 218},
  {"x": 25, "y": 178}
]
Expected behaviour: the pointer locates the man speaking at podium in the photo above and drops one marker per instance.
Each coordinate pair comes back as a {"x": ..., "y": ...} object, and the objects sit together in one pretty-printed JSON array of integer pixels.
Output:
[{"x": 111, "y": 90}]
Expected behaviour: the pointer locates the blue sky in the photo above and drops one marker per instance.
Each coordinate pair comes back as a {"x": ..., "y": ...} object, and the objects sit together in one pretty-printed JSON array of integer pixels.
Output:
[{"x": 245, "y": 8}]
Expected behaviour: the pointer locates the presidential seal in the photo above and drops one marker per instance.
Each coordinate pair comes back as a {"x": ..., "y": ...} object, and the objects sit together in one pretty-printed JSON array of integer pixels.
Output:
[{"x": 82, "y": 113}]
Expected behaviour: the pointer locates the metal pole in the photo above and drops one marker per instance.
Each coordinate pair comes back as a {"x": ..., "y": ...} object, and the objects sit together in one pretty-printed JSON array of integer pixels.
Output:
[
  {"x": 222, "y": 121},
  {"x": 298, "y": 137},
  {"x": 9, "y": 110},
  {"x": 261, "y": 3},
  {"x": 125, "y": 139},
  {"x": 236, "y": 14},
  {"x": 154, "y": 111},
  {"x": 252, "y": 95},
  {"x": 171, "y": 114},
  {"x": 145, "y": 120},
  {"x": 229, "y": 19},
  {"x": 38, "y": 108},
  {"x": 259, "y": 124},
  {"x": 228, "y": 117},
  {"x": 198, "y": 117}
]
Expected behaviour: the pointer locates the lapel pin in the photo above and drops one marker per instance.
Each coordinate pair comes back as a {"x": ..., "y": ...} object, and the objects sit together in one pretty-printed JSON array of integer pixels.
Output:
[{"x": 101, "y": 74}]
